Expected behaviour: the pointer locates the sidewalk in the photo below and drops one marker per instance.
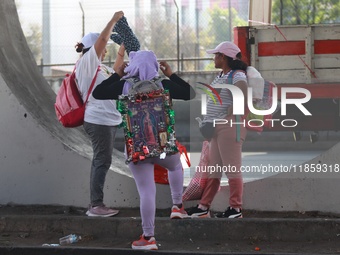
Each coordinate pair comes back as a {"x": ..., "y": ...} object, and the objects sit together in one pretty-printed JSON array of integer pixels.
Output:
[{"x": 25, "y": 228}]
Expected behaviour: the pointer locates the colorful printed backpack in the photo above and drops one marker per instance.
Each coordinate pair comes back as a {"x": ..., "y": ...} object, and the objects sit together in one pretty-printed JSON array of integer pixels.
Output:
[{"x": 148, "y": 120}]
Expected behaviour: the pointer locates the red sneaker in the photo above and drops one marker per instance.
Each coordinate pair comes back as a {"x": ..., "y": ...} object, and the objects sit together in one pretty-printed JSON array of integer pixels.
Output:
[
  {"x": 143, "y": 244},
  {"x": 178, "y": 213}
]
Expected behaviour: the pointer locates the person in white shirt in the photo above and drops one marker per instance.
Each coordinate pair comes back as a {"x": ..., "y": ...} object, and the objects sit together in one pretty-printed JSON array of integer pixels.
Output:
[{"x": 101, "y": 116}]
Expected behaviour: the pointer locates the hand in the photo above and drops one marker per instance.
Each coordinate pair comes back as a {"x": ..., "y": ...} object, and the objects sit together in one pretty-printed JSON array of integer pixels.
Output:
[
  {"x": 118, "y": 15},
  {"x": 166, "y": 69},
  {"x": 121, "y": 50},
  {"x": 120, "y": 69}
]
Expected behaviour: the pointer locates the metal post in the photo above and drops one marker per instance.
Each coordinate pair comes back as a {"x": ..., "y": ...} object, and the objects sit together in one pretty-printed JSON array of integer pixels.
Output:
[
  {"x": 42, "y": 66},
  {"x": 177, "y": 36},
  {"x": 230, "y": 21},
  {"x": 46, "y": 38},
  {"x": 281, "y": 12},
  {"x": 83, "y": 18},
  {"x": 197, "y": 48}
]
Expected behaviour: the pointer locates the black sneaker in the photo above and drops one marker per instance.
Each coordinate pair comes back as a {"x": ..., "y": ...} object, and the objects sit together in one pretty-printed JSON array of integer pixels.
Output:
[
  {"x": 230, "y": 213},
  {"x": 195, "y": 212}
]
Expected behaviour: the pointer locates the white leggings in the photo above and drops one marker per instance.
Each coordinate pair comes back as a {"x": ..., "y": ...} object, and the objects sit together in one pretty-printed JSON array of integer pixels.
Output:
[{"x": 143, "y": 173}]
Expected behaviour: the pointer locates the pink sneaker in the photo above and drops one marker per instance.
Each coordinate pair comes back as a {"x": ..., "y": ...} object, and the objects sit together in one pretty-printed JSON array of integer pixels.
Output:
[
  {"x": 178, "y": 213},
  {"x": 101, "y": 211},
  {"x": 143, "y": 244}
]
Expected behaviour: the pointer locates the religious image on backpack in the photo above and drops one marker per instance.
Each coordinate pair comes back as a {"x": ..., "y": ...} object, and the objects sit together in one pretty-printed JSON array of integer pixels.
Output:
[{"x": 148, "y": 123}]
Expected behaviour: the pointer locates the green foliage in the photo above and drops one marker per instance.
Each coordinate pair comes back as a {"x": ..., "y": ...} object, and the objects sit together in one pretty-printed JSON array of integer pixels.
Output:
[
  {"x": 305, "y": 12},
  {"x": 219, "y": 29},
  {"x": 33, "y": 35},
  {"x": 154, "y": 35},
  {"x": 210, "y": 66}
]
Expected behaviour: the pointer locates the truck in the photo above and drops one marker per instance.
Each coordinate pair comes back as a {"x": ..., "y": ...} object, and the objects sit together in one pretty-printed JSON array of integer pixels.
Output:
[{"x": 303, "y": 56}]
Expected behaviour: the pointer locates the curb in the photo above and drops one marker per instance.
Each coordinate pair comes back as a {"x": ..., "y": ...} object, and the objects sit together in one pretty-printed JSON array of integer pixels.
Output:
[{"x": 265, "y": 229}]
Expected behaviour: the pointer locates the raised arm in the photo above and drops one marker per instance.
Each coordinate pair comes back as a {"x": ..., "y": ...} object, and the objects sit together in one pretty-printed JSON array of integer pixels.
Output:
[
  {"x": 105, "y": 34},
  {"x": 120, "y": 59}
]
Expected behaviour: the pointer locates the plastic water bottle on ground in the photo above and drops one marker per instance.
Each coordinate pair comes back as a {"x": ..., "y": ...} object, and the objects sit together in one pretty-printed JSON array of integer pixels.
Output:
[
  {"x": 69, "y": 239},
  {"x": 199, "y": 121},
  {"x": 51, "y": 244}
]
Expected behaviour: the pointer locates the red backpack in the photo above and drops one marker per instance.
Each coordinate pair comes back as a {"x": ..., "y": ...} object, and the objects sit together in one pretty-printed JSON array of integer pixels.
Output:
[{"x": 69, "y": 105}]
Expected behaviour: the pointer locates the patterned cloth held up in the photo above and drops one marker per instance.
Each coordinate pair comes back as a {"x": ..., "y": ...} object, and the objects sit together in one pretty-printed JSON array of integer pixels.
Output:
[
  {"x": 116, "y": 38},
  {"x": 125, "y": 35}
]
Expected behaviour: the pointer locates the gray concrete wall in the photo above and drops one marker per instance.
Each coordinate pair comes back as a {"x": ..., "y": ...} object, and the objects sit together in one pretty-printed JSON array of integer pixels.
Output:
[{"x": 300, "y": 190}]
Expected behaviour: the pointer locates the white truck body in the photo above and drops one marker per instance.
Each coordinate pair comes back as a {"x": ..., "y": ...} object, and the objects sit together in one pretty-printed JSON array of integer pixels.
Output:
[{"x": 290, "y": 54}]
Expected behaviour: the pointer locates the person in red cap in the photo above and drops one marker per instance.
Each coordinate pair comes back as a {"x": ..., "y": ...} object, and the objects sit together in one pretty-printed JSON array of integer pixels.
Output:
[{"x": 226, "y": 143}]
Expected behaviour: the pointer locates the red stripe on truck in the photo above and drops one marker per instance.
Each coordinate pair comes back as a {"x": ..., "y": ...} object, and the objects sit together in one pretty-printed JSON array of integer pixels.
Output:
[
  {"x": 327, "y": 47},
  {"x": 266, "y": 49}
]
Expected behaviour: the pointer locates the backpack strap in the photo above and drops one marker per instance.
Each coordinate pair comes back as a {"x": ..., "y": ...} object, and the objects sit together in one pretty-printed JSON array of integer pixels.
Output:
[
  {"x": 229, "y": 79},
  {"x": 158, "y": 80},
  {"x": 135, "y": 82},
  {"x": 92, "y": 84},
  {"x": 232, "y": 74},
  {"x": 237, "y": 117}
]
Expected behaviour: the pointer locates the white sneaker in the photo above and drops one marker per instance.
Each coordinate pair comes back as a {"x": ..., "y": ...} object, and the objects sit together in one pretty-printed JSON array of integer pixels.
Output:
[{"x": 101, "y": 211}]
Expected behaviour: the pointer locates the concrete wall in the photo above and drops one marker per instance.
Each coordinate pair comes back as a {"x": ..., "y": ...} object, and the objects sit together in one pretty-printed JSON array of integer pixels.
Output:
[{"x": 300, "y": 190}]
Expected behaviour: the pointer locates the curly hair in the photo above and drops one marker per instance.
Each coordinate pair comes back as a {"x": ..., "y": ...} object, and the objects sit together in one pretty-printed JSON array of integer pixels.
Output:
[
  {"x": 237, "y": 64},
  {"x": 80, "y": 48}
]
